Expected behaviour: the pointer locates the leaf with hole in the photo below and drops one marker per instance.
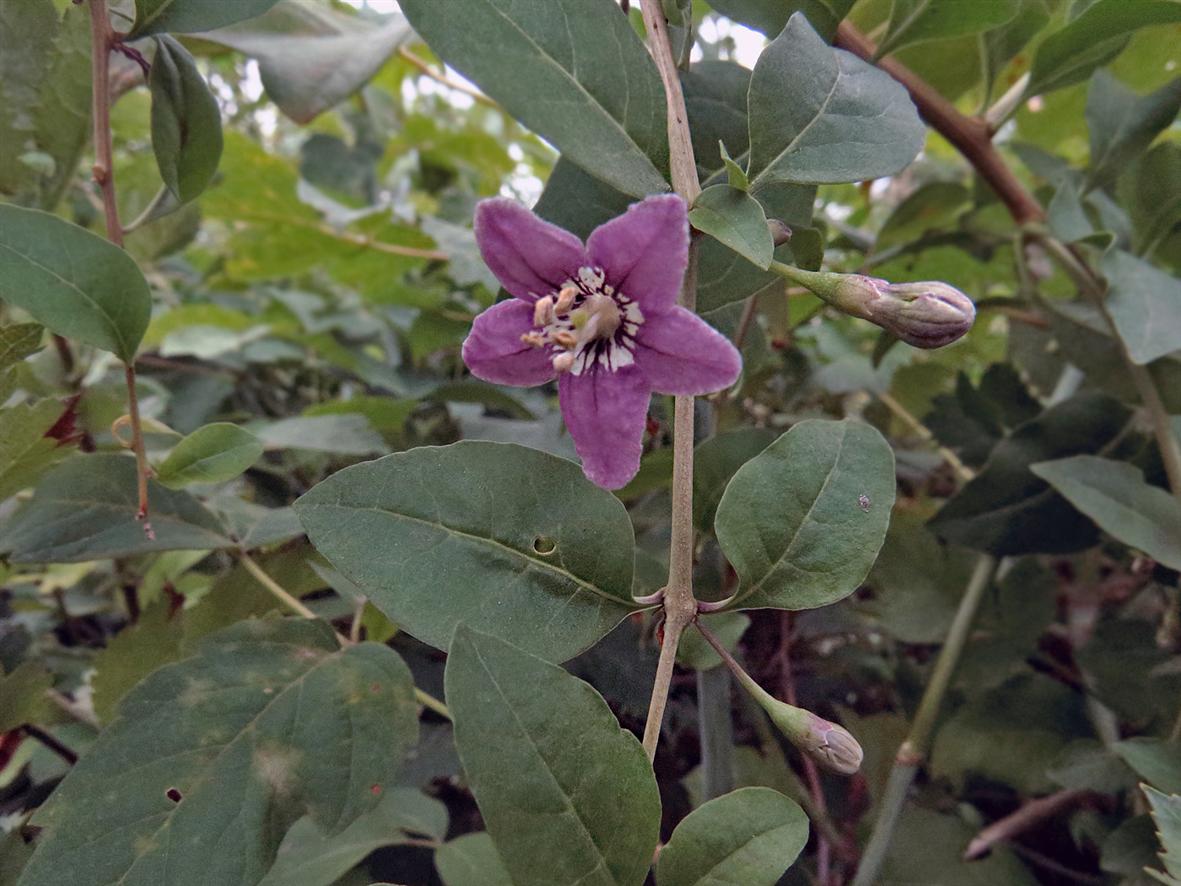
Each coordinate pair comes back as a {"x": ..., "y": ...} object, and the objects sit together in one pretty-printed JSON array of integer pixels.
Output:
[
  {"x": 566, "y": 793},
  {"x": 511, "y": 540},
  {"x": 749, "y": 836},
  {"x": 268, "y": 722},
  {"x": 1115, "y": 495},
  {"x": 72, "y": 281},
  {"x": 803, "y": 521},
  {"x": 846, "y": 121},
  {"x": 602, "y": 104},
  {"x": 186, "y": 122}
]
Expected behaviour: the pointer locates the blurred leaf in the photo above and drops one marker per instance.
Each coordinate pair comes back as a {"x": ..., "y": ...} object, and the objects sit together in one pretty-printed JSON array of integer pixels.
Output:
[
  {"x": 821, "y": 134},
  {"x": 186, "y": 122},
  {"x": 270, "y": 721},
  {"x": 1151, "y": 192},
  {"x": 471, "y": 860},
  {"x": 27, "y": 450},
  {"x": 580, "y": 803},
  {"x": 714, "y": 462},
  {"x": 85, "y": 509},
  {"x": 23, "y": 696},
  {"x": 137, "y": 650},
  {"x": 933, "y": 206},
  {"x": 72, "y": 281},
  {"x": 310, "y": 857},
  {"x": 604, "y": 107},
  {"x": 734, "y": 218},
  {"x": 1092, "y": 39},
  {"x": 211, "y": 454},
  {"x": 1156, "y": 762},
  {"x": 803, "y": 521},
  {"x": 715, "y": 101},
  {"x": 917, "y": 21},
  {"x": 525, "y": 546},
  {"x": 1115, "y": 495},
  {"x": 1123, "y": 124},
  {"x": 1145, "y": 304},
  {"x": 188, "y": 16},
  {"x": 694, "y": 652},
  {"x": 18, "y": 341},
  {"x": 349, "y": 433},
  {"x": 310, "y": 57},
  {"x": 1007, "y": 509},
  {"x": 928, "y": 850},
  {"x": 749, "y": 836},
  {"x": 999, "y": 46},
  {"x": 770, "y": 16},
  {"x": 1166, "y": 814}
]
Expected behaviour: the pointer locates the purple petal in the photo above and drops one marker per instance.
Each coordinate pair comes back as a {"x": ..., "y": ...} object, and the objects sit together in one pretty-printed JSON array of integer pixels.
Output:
[
  {"x": 493, "y": 350},
  {"x": 530, "y": 257},
  {"x": 679, "y": 353},
  {"x": 644, "y": 251},
  {"x": 605, "y": 413}
]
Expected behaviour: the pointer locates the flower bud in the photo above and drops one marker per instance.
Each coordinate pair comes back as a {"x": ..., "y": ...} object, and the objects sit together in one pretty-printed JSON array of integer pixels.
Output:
[{"x": 780, "y": 232}]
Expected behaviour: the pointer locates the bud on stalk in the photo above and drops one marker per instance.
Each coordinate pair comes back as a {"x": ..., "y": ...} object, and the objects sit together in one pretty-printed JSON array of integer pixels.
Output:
[{"x": 925, "y": 315}]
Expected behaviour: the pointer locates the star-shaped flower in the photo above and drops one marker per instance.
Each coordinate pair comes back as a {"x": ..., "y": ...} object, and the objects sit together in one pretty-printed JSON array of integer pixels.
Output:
[{"x": 601, "y": 317}]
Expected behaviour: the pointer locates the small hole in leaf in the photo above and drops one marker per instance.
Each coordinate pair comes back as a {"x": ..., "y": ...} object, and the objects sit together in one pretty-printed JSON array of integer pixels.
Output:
[
  {"x": 544, "y": 545},
  {"x": 174, "y": 795}
]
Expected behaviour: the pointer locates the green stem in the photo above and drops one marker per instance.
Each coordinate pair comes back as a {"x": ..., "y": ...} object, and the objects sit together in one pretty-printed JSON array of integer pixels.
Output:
[{"x": 717, "y": 732}]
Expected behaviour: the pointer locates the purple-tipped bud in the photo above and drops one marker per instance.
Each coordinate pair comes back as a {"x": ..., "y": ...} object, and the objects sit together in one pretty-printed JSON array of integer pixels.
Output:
[
  {"x": 925, "y": 315},
  {"x": 833, "y": 747},
  {"x": 780, "y": 232}
]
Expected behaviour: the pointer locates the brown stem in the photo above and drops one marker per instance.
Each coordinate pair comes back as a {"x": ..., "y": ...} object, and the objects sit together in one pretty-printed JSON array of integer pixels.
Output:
[
  {"x": 425, "y": 67},
  {"x": 970, "y": 135},
  {"x": 1027, "y": 816},
  {"x": 102, "y": 40},
  {"x": 680, "y": 606}
]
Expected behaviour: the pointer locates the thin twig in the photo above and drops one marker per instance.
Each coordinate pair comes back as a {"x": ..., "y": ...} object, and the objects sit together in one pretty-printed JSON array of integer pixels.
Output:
[
  {"x": 425, "y": 67},
  {"x": 1026, "y": 817},
  {"x": 39, "y": 734},
  {"x": 103, "y": 40},
  {"x": 680, "y": 606},
  {"x": 965, "y": 473}
]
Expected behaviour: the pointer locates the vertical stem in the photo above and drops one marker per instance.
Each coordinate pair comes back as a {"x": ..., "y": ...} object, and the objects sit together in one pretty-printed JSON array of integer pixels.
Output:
[
  {"x": 717, "y": 732},
  {"x": 102, "y": 39},
  {"x": 680, "y": 606},
  {"x": 913, "y": 751}
]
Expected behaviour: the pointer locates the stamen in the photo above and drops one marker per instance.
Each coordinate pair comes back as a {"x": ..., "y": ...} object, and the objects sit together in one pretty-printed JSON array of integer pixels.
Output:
[
  {"x": 543, "y": 311},
  {"x": 565, "y": 339},
  {"x": 565, "y": 299},
  {"x": 564, "y": 361},
  {"x": 533, "y": 339}
]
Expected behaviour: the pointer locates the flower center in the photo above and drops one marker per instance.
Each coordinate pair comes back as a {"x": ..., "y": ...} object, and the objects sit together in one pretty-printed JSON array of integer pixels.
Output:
[{"x": 586, "y": 324}]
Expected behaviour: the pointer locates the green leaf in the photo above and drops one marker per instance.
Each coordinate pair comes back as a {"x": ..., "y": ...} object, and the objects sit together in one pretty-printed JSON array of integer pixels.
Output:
[
  {"x": 137, "y": 650},
  {"x": 714, "y": 462},
  {"x": 85, "y": 509},
  {"x": 22, "y": 696},
  {"x": 1000, "y": 45},
  {"x": 916, "y": 21},
  {"x": 566, "y": 794},
  {"x": 928, "y": 849},
  {"x": 604, "y": 104},
  {"x": 186, "y": 122},
  {"x": 1123, "y": 124},
  {"x": 846, "y": 121},
  {"x": 715, "y": 101},
  {"x": 735, "y": 174},
  {"x": 803, "y": 521},
  {"x": 1151, "y": 193},
  {"x": 211, "y": 454},
  {"x": 1092, "y": 39},
  {"x": 1115, "y": 496},
  {"x": 510, "y": 539},
  {"x": 72, "y": 281},
  {"x": 25, "y": 451},
  {"x": 348, "y": 433},
  {"x": 1009, "y": 510},
  {"x": 749, "y": 836},
  {"x": 18, "y": 341},
  {"x": 295, "y": 44},
  {"x": 1157, "y": 762},
  {"x": 735, "y": 218},
  {"x": 191, "y": 16},
  {"x": 270, "y": 721},
  {"x": 1166, "y": 814},
  {"x": 770, "y": 16},
  {"x": 1145, "y": 304},
  {"x": 471, "y": 860},
  {"x": 695, "y": 652},
  {"x": 310, "y": 857},
  {"x": 933, "y": 206}
]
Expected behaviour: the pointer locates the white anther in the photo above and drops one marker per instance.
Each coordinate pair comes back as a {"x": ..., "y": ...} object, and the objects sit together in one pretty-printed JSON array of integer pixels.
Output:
[{"x": 564, "y": 361}]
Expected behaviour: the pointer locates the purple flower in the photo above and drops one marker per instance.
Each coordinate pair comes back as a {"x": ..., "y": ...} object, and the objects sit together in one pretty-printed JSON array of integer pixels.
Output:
[{"x": 601, "y": 317}]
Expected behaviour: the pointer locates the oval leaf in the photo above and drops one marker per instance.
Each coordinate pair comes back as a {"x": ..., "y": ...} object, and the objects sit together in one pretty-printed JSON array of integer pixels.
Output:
[
  {"x": 567, "y": 795},
  {"x": 211, "y": 759},
  {"x": 819, "y": 115},
  {"x": 191, "y": 16},
  {"x": 803, "y": 521},
  {"x": 749, "y": 836},
  {"x": 510, "y": 539},
  {"x": 735, "y": 218},
  {"x": 186, "y": 122},
  {"x": 85, "y": 509},
  {"x": 212, "y": 454},
  {"x": 604, "y": 105},
  {"x": 1145, "y": 304},
  {"x": 75, "y": 282},
  {"x": 1115, "y": 496}
]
